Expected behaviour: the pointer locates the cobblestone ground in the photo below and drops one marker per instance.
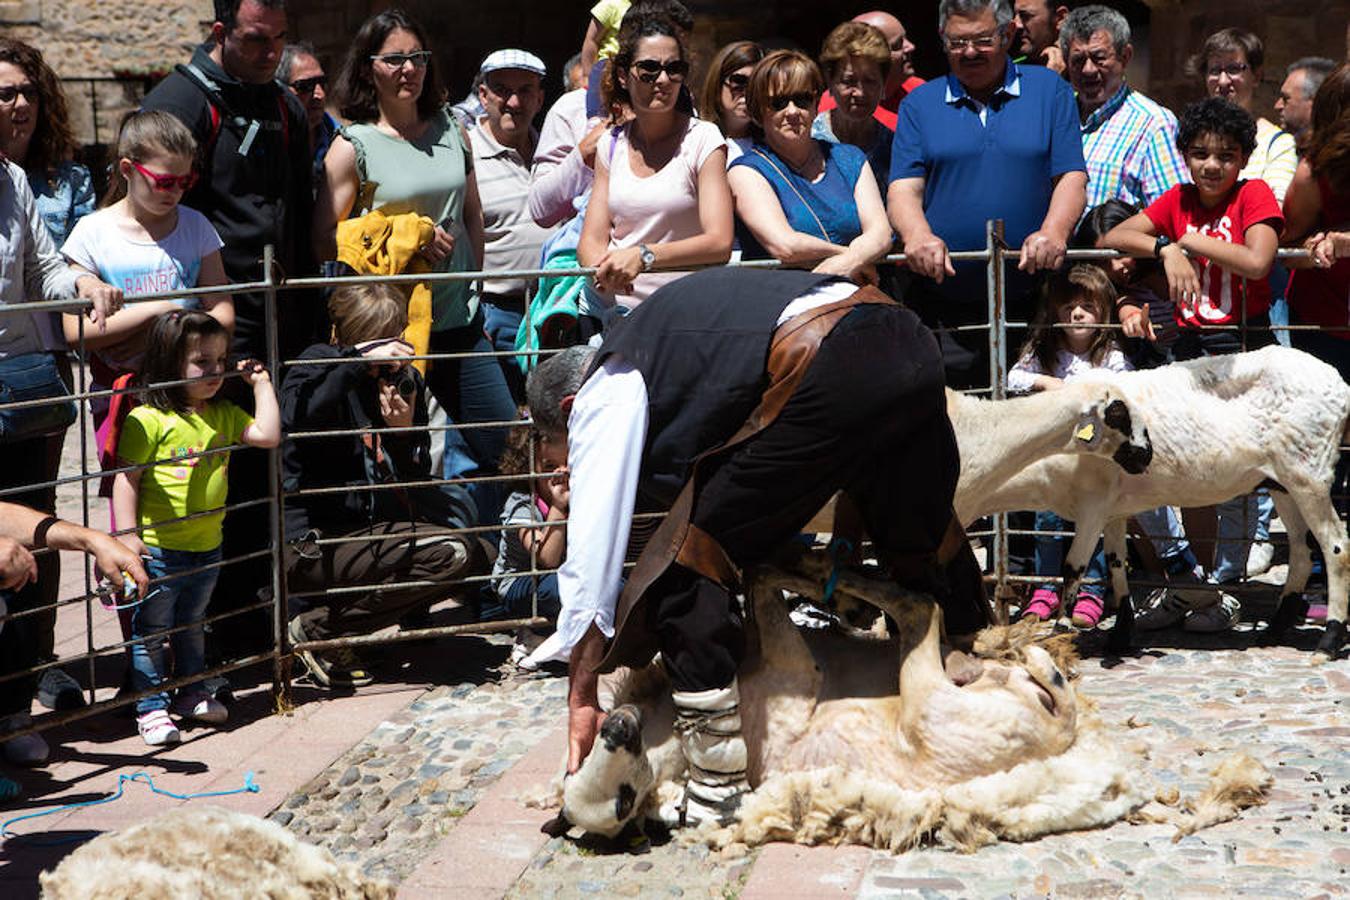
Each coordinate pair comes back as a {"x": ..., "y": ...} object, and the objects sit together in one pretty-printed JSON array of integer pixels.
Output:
[{"x": 1189, "y": 699}]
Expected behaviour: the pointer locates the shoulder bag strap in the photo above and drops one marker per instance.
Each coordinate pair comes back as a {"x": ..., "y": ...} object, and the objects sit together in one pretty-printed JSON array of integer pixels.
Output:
[{"x": 788, "y": 181}]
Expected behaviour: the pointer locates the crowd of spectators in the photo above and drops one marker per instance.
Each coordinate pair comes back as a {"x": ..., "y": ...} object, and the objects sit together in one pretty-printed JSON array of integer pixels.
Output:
[{"x": 828, "y": 161}]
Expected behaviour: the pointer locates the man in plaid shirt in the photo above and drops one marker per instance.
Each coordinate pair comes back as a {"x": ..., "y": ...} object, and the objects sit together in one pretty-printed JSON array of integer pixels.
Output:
[{"x": 1129, "y": 141}]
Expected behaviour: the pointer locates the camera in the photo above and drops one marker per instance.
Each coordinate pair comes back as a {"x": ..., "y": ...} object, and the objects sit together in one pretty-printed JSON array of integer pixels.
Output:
[{"x": 403, "y": 379}]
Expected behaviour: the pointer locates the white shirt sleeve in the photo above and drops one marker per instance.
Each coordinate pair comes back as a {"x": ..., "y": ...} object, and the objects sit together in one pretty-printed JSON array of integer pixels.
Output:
[
  {"x": 606, "y": 433},
  {"x": 1022, "y": 376},
  {"x": 558, "y": 175}
]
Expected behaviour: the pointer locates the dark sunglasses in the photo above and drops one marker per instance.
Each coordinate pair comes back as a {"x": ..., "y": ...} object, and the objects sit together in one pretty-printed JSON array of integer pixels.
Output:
[
  {"x": 648, "y": 70},
  {"x": 10, "y": 93},
  {"x": 307, "y": 85},
  {"x": 736, "y": 82},
  {"x": 801, "y": 101},
  {"x": 167, "y": 182},
  {"x": 420, "y": 59}
]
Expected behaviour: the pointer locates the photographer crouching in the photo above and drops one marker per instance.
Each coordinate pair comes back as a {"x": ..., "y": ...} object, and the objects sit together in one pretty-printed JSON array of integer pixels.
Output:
[{"x": 394, "y": 531}]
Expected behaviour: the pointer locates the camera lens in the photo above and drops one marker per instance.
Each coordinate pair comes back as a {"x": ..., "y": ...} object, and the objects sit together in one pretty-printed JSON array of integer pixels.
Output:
[{"x": 406, "y": 383}]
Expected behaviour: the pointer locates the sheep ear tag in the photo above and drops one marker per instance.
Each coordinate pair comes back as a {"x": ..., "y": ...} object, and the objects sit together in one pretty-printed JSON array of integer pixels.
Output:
[{"x": 1087, "y": 433}]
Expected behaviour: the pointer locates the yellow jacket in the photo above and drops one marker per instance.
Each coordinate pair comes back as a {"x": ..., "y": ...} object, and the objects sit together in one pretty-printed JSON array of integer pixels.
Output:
[{"x": 379, "y": 244}]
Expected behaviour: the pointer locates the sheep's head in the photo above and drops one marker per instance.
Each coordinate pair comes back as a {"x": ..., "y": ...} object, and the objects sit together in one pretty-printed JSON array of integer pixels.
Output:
[
  {"x": 612, "y": 785},
  {"x": 1106, "y": 427}
]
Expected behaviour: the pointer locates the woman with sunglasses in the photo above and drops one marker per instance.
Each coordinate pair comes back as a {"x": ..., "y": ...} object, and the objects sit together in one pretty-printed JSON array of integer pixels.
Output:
[
  {"x": 660, "y": 198},
  {"x": 723, "y": 98},
  {"x": 405, "y": 153},
  {"x": 800, "y": 200},
  {"x": 1230, "y": 62}
]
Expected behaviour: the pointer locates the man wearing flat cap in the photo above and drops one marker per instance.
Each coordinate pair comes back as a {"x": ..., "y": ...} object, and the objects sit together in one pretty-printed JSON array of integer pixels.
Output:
[{"x": 510, "y": 87}]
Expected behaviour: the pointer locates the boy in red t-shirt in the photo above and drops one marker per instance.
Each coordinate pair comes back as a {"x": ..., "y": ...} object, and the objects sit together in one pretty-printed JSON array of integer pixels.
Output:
[{"x": 1230, "y": 227}]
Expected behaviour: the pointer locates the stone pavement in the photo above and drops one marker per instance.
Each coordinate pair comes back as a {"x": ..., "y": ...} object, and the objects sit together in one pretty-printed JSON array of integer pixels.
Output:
[{"x": 420, "y": 779}]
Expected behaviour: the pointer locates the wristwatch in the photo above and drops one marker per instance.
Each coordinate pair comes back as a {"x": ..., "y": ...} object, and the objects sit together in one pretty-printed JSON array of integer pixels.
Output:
[
  {"x": 647, "y": 256},
  {"x": 1158, "y": 245}
]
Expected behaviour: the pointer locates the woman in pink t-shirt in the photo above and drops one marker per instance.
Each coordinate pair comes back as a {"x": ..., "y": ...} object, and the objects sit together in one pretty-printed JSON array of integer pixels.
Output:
[{"x": 660, "y": 198}]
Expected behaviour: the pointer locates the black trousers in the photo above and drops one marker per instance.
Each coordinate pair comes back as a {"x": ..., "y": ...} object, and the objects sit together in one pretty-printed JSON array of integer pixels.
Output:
[{"x": 868, "y": 418}]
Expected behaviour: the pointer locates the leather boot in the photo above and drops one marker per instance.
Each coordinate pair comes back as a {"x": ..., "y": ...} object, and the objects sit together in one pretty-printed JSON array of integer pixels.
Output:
[{"x": 709, "y": 726}]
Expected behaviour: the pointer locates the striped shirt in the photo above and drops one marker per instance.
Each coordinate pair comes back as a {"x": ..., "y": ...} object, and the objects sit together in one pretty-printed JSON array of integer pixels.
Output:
[
  {"x": 1129, "y": 143},
  {"x": 1274, "y": 159}
]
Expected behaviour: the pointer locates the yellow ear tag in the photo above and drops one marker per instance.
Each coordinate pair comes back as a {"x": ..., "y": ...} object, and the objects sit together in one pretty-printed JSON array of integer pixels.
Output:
[{"x": 1086, "y": 433}]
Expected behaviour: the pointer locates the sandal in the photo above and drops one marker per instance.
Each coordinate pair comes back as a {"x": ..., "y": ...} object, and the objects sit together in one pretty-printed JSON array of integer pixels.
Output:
[
  {"x": 1087, "y": 611},
  {"x": 1043, "y": 604}
]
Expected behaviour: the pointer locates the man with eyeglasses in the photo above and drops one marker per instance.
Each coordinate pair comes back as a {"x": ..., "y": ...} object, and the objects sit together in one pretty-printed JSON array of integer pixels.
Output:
[
  {"x": 256, "y": 190},
  {"x": 900, "y": 79},
  {"x": 301, "y": 71},
  {"x": 512, "y": 93},
  {"x": 992, "y": 140},
  {"x": 1129, "y": 142}
]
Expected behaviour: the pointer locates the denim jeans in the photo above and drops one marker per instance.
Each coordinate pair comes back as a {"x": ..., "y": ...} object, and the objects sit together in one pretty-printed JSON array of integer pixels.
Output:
[
  {"x": 1050, "y": 555},
  {"x": 1237, "y": 528},
  {"x": 176, "y": 602},
  {"x": 518, "y": 600},
  {"x": 502, "y": 322},
  {"x": 472, "y": 390}
]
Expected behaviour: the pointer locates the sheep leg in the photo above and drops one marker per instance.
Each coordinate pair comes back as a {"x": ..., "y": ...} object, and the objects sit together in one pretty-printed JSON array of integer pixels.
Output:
[
  {"x": 1087, "y": 529},
  {"x": 1122, "y": 630},
  {"x": 1293, "y": 607},
  {"x": 1329, "y": 530}
]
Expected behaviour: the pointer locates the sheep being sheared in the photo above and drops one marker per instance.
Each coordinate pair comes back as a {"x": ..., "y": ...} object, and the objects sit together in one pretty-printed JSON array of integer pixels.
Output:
[
  {"x": 202, "y": 853},
  {"x": 854, "y": 737}
]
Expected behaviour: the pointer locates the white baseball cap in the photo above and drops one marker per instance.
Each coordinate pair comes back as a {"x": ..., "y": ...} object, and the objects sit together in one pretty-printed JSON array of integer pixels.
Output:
[{"x": 512, "y": 59}]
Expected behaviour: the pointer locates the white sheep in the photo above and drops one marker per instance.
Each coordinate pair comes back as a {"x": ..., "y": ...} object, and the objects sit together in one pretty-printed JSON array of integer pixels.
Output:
[
  {"x": 1220, "y": 427},
  {"x": 204, "y": 852}
]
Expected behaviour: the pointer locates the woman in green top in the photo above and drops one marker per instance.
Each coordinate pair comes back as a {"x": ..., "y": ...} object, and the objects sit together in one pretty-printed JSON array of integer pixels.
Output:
[{"x": 404, "y": 153}]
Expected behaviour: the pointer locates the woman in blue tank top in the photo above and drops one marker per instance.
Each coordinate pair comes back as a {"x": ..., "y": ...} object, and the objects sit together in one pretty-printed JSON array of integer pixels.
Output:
[{"x": 805, "y": 202}]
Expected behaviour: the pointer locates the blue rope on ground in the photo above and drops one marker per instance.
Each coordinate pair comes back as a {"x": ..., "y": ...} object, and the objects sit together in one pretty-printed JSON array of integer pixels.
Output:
[
  {"x": 144, "y": 778},
  {"x": 839, "y": 547}
]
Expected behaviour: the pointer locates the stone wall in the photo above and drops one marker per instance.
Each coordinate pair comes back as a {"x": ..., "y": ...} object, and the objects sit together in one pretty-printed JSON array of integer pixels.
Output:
[{"x": 131, "y": 41}]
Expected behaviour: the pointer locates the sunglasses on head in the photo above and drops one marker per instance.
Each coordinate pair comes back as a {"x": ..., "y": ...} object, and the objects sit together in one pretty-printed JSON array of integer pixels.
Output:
[
  {"x": 648, "y": 70},
  {"x": 167, "y": 182},
  {"x": 307, "y": 85},
  {"x": 801, "y": 101},
  {"x": 10, "y": 93},
  {"x": 736, "y": 81},
  {"x": 419, "y": 58}
]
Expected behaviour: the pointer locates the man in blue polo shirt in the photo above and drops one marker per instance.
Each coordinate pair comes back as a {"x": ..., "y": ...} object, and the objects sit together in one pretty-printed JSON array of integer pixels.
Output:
[{"x": 992, "y": 140}]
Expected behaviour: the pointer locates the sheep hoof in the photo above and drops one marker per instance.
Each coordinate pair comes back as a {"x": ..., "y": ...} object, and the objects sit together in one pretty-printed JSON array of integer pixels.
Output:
[
  {"x": 1291, "y": 612},
  {"x": 1332, "y": 641},
  {"x": 556, "y": 826},
  {"x": 1121, "y": 636}
]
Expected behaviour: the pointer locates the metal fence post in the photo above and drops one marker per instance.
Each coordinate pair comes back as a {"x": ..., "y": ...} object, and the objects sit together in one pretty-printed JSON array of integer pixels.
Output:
[
  {"x": 281, "y": 669},
  {"x": 998, "y": 324}
]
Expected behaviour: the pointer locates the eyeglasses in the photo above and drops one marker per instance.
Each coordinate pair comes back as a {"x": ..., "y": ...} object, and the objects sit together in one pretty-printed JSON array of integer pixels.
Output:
[
  {"x": 648, "y": 70},
  {"x": 419, "y": 58},
  {"x": 736, "y": 83},
  {"x": 504, "y": 91},
  {"x": 307, "y": 85},
  {"x": 1232, "y": 70},
  {"x": 801, "y": 101},
  {"x": 981, "y": 42},
  {"x": 167, "y": 182},
  {"x": 10, "y": 93}
]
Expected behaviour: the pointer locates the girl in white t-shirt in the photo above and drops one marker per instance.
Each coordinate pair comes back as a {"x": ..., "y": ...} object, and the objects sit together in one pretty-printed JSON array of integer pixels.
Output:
[
  {"x": 660, "y": 198},
  {"x": 143, "y": 241}
]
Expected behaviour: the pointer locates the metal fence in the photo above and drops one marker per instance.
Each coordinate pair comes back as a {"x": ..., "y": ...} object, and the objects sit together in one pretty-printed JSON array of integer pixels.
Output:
[{"x": 995, "y": 256}]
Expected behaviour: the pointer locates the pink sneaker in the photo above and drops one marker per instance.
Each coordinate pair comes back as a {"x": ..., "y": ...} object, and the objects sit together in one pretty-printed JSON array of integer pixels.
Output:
[
  {"x": 1317, "y": 612},
  {"x": 1087, "y": 611},
  {"x": 1044, "y": 603}
]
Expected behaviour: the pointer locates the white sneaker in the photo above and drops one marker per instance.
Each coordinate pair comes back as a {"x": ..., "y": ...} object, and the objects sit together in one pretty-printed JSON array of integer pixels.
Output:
[
  {"x": 1259, "y": 559},
  {"x": 1219, "y": 617},
  {"x": 200, "y": 707},
  {"x": 29, "y": 750},
  {"x": 157, "y": 729}
]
